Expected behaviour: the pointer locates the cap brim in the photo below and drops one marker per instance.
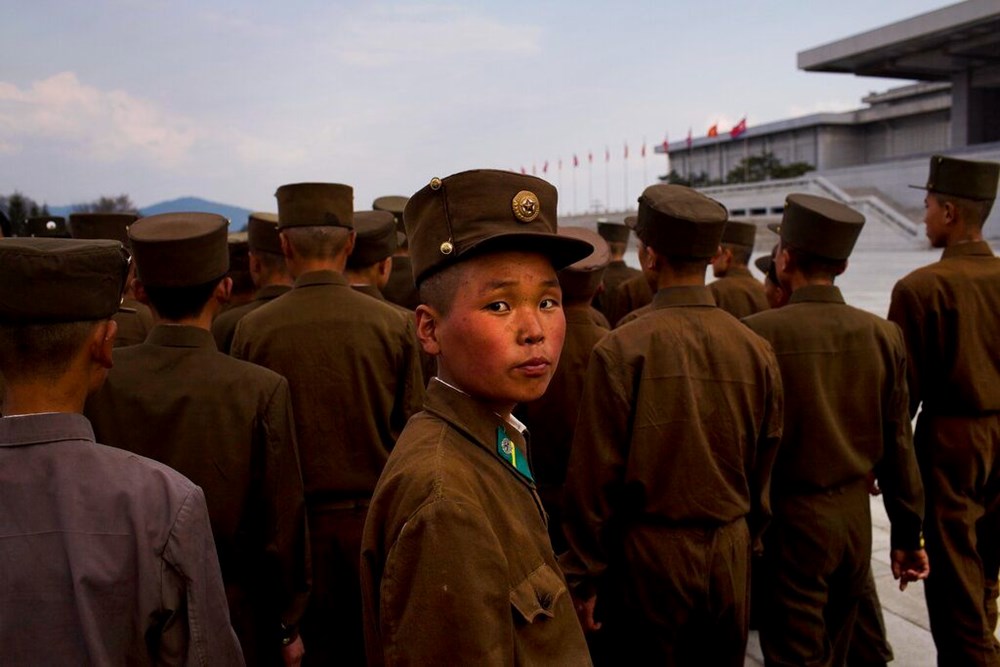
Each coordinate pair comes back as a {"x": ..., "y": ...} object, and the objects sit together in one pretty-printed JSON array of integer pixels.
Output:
[
  {"x": 919, "y": 187},
  {"x": 561, "y": 250},
  {"x": 763, "y": 264}
]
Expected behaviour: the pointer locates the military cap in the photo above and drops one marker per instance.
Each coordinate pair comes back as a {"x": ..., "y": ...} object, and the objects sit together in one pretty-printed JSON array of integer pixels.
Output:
[
  {"x": 180, "y": 249},
  {"x": 315, "y": 205},
  {"x": 47, "y": 281},
  {"x": 394, "y": 204},
  {"x": 962, "y": 178},
  {"x": 820, "y": 226},
  {"x": 376, "y": 238},
  {"x": 677, "y": 221},
  {"x": 485, "y": 210},
  {"x": 765, "y": 265},
  {"x": 113, "y": 226},
  {"x": 740, "y": 233},
  {"x": 582, "y": 278},
  {"x": 47, "y": 226},
  {"x": 262, "y": 233},
  {"x": 614, "y": 232}
]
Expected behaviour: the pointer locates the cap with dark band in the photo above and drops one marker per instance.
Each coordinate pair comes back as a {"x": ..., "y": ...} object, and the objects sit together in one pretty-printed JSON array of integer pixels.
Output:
[
  {"x": 113, "y": 226},
  {"x": 615, "y": 232},
  {"x": 677, "y": 221},
  {"x": 820, "y": 226},
  {"x": 46, "y": 226},
  {"x": 47, "y": 281},
  {"x": 394, "y": 204},
  {"x": 315, "y": 205},
  {"x": 180, "y": 249},
  {"x": 966, "y": 179},
  {"x": 481, "y": 211},
  {"x": 262, "y": 233},
  {"x": 376, "y": 238},
  {"x": 739, "y": 233},
  {"x": 582, "y": 278}
]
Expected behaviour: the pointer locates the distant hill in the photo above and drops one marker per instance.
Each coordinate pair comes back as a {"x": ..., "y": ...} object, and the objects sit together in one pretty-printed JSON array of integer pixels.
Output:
[{"x": 237, "y": 216}]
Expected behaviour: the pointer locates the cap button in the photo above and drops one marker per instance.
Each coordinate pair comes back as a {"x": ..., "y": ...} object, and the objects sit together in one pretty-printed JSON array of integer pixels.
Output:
[
  {"x": 446, "y": 247},
  {"x": 436, "y": 184}
]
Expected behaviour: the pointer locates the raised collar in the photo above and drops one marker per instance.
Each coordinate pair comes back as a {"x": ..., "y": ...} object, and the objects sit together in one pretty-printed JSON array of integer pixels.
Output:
[
  {"x": 325, "y": 277},
  {"x": 43, "y": 428},
  {"x": 478, "y": 423},
  {"x": 971, "y": 249},
  {"x": 689, "y": 295},
  {"x": 269, "y": 292},
  {"x": 818, "y": 294},
  {"x": 369, "y": 290},
  {"x": 180, "y": 335}
]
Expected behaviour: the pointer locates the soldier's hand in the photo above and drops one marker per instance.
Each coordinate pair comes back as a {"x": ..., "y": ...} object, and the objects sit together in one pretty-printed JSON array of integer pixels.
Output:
[
  {"x": 292, "y": 654},
  {"x": 585, "y": 612},
  {"x": 909, "y": 566}
]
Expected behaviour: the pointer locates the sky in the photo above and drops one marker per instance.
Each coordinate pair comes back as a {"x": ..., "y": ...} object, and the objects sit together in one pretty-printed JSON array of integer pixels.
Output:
[{"x": 228, "y": 100}]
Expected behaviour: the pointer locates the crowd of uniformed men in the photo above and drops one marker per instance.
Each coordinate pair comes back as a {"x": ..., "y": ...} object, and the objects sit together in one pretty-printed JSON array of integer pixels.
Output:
[{"x": 411, "y": 435}]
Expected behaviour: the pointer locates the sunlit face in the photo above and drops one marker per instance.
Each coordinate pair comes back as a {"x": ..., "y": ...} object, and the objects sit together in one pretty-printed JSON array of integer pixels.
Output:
[
  {"x": 936, "y": 221},
  {"x": 501, "y": 340}
]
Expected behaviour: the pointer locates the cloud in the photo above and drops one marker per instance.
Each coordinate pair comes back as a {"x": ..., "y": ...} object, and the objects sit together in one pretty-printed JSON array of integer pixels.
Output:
[
  {"x": 407, "y": 33},
  {"x": 95, "y": 124}
]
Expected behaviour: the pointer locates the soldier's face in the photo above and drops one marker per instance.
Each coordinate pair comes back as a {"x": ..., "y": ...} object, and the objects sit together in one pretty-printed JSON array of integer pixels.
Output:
[
  {"x": 502, "y": 338},
  {"x": 936, "y": 219}
]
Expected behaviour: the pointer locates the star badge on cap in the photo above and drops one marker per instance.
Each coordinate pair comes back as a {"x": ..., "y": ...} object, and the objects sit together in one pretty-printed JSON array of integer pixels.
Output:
[{"x": 526, "y": 206}]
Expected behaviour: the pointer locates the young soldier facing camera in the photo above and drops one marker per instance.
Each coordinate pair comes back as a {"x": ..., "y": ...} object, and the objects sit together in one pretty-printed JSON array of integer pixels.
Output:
[{"x": 457, "y": 567}]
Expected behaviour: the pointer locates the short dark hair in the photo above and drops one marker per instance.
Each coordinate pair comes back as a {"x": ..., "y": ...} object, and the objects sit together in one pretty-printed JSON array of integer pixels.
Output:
[
  {"x": 438, "y": 289},
  {"x": 813, "y": 266},
  {"x": 319, "y": 242},
  {"x": 741, "y": 253},
  {"x": 179, "y": 303},
  {"x": 973, "y": 212},
  {"x": 40, "y": 350}
]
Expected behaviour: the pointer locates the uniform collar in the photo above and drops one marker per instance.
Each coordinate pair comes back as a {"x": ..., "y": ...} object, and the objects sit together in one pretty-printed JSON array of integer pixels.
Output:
[
  {"x": 180, "y": 335},
  {"x": 269, "y": 292},
  {"x": 689, "y": 295},
  {"x": 973, "y": 248},
  {"x": 324, "y": 277},
  {"x": 369, "y": 290},
  {"x": 479, "y": 424},
  {"x": 44, "y": 428},
  {"x": 817, "y": 293}
]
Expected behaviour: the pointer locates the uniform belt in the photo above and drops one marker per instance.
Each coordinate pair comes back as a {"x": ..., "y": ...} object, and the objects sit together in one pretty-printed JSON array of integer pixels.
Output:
[{"x": 804, "y": 490}]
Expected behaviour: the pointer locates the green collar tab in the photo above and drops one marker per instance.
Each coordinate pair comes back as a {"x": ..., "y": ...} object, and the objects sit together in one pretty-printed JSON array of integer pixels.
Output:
[{"x": 509, "y": 452}]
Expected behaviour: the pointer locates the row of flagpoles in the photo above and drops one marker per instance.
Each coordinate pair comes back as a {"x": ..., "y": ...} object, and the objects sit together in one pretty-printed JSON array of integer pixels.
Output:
[{"x": 713, "y": 132}]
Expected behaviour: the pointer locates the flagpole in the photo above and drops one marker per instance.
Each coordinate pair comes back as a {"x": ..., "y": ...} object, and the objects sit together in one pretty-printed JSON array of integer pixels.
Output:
[
  {"x": 575, "y": 209},
  {"x": 625, "y": 188},
  {"x": 607, "y": 179},
  {"x": 645, "y": 180},
  {"x": 590, "y": 180}
]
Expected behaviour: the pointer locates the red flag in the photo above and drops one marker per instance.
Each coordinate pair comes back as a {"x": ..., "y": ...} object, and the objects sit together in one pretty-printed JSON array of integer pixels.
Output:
[
  {"x": 545, "y": 167},
  {"x": 689, "y": 140},
  {"x": 666, "y": 143},
  {"x": 714, "y": 130},
  {"x": 739, "y": 128},
  {"x": 607, "y": 154},
  {"x": 576, "y": 160},
  {"x": 590, "y": 157},
  {"x": 523, "y": 171}
]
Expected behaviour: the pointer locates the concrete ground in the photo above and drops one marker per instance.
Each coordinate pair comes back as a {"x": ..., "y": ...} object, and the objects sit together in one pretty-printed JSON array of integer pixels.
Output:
[{"x": 905, "y": 611}]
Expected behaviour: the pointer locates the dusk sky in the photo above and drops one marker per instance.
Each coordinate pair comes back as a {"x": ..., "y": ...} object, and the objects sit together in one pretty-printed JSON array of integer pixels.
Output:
[{"x": 228, "y": 100}]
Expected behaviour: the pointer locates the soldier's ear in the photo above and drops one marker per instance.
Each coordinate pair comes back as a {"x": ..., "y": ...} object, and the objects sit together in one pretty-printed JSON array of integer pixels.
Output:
[
  {"x": 427, "y": 329},
  {"x": 286, "y": 247}
]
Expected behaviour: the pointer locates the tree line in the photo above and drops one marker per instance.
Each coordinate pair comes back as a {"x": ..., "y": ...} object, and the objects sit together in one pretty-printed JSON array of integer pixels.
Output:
[
  {"x": 17, "y": 208},
  {"x": 753, "y": 169}
]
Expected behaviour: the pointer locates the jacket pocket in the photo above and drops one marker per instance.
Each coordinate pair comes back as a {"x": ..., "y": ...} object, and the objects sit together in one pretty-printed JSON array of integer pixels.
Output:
[{"x": 537, "y": 594}]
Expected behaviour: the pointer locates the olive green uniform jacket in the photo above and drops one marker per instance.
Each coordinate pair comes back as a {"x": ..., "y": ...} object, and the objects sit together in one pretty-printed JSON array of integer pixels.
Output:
[
  {"x": 457, "y": 567},
  {"x": 428, "y": 364},
  {"x": 616, "y": 273},
  {"x": 227, "y": 425},
  {"x": 631, "y": 295},
  {"x": 846, "y": 416},
  {"x": 950, "y": 315},
  {"x": 679, "y": 426},
  {"x": 739, "y": 293},
  {"x": 552, "y": 418},
  {"x": 224, "y": 326},
  {"x": 135, "y": 321}
]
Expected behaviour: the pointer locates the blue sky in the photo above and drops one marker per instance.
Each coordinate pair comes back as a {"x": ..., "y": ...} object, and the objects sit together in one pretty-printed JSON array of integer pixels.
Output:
[{"x": 228, "y": 100}]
